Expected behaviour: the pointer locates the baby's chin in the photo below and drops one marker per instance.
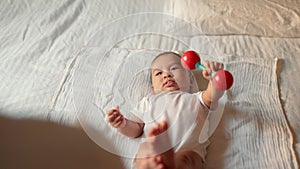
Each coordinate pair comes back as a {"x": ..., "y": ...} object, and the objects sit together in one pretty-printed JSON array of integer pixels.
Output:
[{"x": 166, "y": 90}]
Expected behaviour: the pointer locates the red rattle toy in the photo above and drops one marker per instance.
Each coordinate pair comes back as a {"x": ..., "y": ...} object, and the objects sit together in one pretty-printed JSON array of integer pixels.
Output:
[{"x": 222, "y": 79}]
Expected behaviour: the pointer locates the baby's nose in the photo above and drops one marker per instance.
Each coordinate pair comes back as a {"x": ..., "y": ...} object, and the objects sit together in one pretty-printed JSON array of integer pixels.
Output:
[{"x": 167, "y": 74}]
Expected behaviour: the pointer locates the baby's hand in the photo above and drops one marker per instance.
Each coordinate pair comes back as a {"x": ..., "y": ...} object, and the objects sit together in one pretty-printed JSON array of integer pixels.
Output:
[
  {"x": 115, "y": 118},
  {"x": 211, "y": 95},
  {"x": 211, "y": 67}
]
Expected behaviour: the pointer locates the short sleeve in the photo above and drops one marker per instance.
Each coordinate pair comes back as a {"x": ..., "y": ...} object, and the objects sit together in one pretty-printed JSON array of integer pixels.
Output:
[
  {"x": 141, "y": 108},
  {"x": 199, "y": 95}
]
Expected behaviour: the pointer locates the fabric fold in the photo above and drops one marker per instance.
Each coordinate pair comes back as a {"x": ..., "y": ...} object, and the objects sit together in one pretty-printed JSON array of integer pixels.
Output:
[{"x": 254, "y": 125}]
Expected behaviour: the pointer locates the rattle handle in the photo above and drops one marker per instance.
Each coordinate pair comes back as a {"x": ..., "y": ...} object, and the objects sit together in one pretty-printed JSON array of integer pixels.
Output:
[{"x": 202, "y": 67}]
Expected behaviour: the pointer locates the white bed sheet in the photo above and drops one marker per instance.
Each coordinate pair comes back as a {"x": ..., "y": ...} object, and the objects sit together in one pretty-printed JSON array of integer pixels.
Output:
[
  {"x": 268, "y": 18},
  {"x": 40, "y": 40}
]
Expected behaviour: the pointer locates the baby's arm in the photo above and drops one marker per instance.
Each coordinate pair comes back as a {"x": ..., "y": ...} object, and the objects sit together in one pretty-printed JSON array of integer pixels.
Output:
[
  {"x": 124, "y": 126},
  {"x": 211, "y": 95}
]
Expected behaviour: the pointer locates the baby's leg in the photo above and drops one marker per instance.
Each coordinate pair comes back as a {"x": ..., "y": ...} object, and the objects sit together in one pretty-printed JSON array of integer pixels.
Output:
[
  {"x": 145, "y": 160},
  {"x": 188, "y": 159},
  {"x": 183, "y": 159},
  {"x": 152, "y": 158},
  {"x": 165, "y": 152}
]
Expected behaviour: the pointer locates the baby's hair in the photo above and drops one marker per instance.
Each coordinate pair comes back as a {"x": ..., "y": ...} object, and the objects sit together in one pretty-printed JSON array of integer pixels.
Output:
[{"x": 165, "y": 53}]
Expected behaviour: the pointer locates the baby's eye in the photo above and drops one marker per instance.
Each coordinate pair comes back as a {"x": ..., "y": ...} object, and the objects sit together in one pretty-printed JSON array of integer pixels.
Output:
[
  {"x": 158, "y": 73},
  {"x": 174, "y": 68}
]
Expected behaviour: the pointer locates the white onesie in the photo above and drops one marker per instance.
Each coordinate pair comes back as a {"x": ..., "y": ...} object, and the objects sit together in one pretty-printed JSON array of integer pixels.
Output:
[{"x": 185, "y": 114}]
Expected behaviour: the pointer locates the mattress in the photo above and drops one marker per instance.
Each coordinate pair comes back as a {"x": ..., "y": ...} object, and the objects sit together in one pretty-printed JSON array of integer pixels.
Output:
[{"x": 51, "y": 51}]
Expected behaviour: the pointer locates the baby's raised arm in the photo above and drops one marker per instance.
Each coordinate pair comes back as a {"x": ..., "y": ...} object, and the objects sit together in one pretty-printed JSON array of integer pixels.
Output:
[
  {"x": 211, "y": 95},
  {"x": 125, "y": 126}
]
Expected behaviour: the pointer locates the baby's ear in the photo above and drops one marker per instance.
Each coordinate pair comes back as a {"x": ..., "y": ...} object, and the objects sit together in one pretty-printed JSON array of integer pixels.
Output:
[{"x": 152, "y": 87}]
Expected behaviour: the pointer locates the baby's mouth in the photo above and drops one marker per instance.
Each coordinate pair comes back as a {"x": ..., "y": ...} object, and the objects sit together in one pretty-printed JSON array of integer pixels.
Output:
[{"x": 169, "y": 83}]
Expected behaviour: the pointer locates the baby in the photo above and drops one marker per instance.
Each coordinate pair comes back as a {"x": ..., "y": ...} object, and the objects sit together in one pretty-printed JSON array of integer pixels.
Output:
[{"x": 168, "y": 75}]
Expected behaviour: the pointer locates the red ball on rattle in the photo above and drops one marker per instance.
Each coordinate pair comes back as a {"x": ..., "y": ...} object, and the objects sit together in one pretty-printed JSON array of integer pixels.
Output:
[
  {"x": 189, "y": 59},
  {"x": 222, "y": 79}
]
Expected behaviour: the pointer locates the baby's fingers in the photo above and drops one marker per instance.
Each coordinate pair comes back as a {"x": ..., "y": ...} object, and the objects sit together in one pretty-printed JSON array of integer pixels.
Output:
[
  {"x": 218, "y": 66},
  {"x": 110, "y": 112},
  {"x": 208, "y": 69},
  {"x": 117, "y": 123},
  {"x": 213, "y": 66},
  {"x": 113, "y": 116},
  {"x": 206, "y": 74}
]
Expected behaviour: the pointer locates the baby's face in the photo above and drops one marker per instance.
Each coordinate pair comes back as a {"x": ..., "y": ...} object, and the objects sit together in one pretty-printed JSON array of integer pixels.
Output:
[{"x": 169, "y": 75}]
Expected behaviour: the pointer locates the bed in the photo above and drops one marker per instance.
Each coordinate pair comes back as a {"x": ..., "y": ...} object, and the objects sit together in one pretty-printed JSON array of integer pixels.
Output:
[{"x": 61, "y": 59}]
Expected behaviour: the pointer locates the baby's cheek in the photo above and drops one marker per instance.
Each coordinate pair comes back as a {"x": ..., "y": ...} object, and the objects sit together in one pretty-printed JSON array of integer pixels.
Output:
[
  {"x": 184, "y": 84},
  {"x": 155, "y": 84}
]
